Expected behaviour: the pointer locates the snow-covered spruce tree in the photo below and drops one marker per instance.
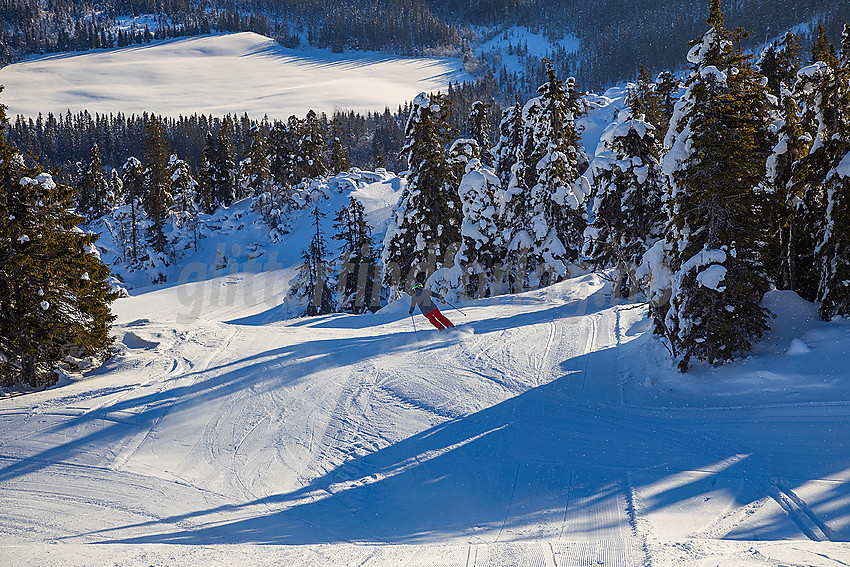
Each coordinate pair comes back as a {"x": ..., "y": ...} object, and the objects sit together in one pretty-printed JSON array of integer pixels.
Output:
[
  {"x": 310, "y": 161},
  {"x": 779, "y": 62},
  {"x": 557, "y": 192},
  {"x": 788, "y": 236},
  {"x": 218, "y": 170},
  {"x": 719, "y": 142},
  {"x": 282, "y": 143},
  {"x": 92, "y": 187},
  {"x": 134, "y": 180},
  {"x": 479, "y": 259},
  {"x": 157, "y": 198},
  {"x": 115, "y": 195},
  {"x": 479, "y": 126},
  {"x": 652, "y": 100},
  {"x": 508, "y": 150},
  {"x": 424, "y": 232},
  {"x": 627, "y": 190},
  {"x": 337, "y": 154},
  {"x": 54, "y": 298},
  {"x": 512, "y": 198},
  {"x": 358, "y": 282},
  {"x": 831, "y": 151},
  {"x": 254, "y": 173},
  {"x": 184, "y": 188},
  {"x": 818, "y": 92},
  {"x": 311, "y": 290}
]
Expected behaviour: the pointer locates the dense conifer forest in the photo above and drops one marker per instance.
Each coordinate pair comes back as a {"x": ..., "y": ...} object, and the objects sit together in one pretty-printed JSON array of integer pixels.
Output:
[
  {"x": 700, "y": 197},
  {"x": 615, "y": 37}
]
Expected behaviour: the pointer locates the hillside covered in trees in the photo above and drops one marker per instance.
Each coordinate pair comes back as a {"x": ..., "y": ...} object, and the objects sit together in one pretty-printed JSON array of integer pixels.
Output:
[
  {"x": 700, "y": 196},
  {"x": 614, "y": 37}
]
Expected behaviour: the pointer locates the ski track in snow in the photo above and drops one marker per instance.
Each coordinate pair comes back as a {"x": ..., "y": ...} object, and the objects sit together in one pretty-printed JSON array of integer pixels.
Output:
[{"x": 341, "y": 443}]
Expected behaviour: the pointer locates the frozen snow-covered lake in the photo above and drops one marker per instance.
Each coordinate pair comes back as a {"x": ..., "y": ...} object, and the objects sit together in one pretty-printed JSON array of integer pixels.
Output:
[{"x": 217, "y": 75}]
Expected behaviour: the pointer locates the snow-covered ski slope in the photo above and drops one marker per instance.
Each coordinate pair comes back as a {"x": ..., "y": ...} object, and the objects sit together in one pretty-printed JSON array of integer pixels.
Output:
[
  {"x": 217, "y": 75},
  {"x": 548, "y": 430},
  {"x": 551, "y": 429}
]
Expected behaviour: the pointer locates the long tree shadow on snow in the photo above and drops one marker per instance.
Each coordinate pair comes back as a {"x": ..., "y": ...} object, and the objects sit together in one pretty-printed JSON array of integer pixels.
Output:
[
  {"x": 541, "y": 464},
  {"x": 260, "y": 372}
]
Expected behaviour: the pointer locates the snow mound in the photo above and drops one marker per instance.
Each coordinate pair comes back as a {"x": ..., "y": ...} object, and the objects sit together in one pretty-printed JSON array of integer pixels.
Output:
[
  {"x": 798, "y": 347},
  {"x": 134, "y": 341}
]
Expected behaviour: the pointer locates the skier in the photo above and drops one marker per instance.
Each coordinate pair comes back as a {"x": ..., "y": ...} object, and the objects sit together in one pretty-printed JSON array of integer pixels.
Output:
[{"x": 422, "y": 298}]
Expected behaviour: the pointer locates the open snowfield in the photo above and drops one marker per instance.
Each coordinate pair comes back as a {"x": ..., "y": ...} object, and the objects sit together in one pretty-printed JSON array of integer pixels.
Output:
[{"x": 216, "y": 75}]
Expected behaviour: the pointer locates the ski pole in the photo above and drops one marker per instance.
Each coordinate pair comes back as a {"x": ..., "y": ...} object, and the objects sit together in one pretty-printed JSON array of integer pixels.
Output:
[
  {"x": 455, "y": 308},
  {"x": 412, "y": 320}
]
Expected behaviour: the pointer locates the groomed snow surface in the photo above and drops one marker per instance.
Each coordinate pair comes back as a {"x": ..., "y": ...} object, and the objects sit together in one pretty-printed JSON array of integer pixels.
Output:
[
  {"x": 217, "y": 75},
  {"x": 549, "y": 429}
]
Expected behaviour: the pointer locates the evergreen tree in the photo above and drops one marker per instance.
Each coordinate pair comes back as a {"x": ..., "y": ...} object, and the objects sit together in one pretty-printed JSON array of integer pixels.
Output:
[
  {"x": 134, "y": 180},
  {"x": 556, "y": 219},
  {"x": 218, "y": 176},
  {"x": 479, "y": 122},
  {"x": 512, "y": 197},
  {"x": 628, "y": 187},
  {"x": 220, "y": 172},
  {"x": 823, "y": 49},
  {"x": 823, "y": 177},
  {"x": 311, "y": 291},
  {"x": 54, "y": 297},
  {"x": 822, "y": 91},
  {"x": 719, "y": 141},
  {"x": 92, "y": 187},
  {"x": 651, "y": 101},
  {"x": 666, "y": 87},
  {"x": 255, "y": 175},
  {"x": 482, "y": 248},
  {"x": 424, "y": 232},
  {"x": 780, "y": 63},
  {"x": 790, "y": 246},
  {"x": 157, "y": 198},
  {"x": 310, "y": 161},
  {"x": 184, "y": 188},
  {"x": 282, "y": 144},
  {"x": 338, "y": 158},
  {"x": 115, "y": 195},
  {"x": 358, "y": 286},
  {"x": 508, "y": 150}
]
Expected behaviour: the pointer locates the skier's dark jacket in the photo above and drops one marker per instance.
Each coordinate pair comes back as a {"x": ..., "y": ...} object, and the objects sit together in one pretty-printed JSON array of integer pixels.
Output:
[{"x": 422, "y": 298}]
